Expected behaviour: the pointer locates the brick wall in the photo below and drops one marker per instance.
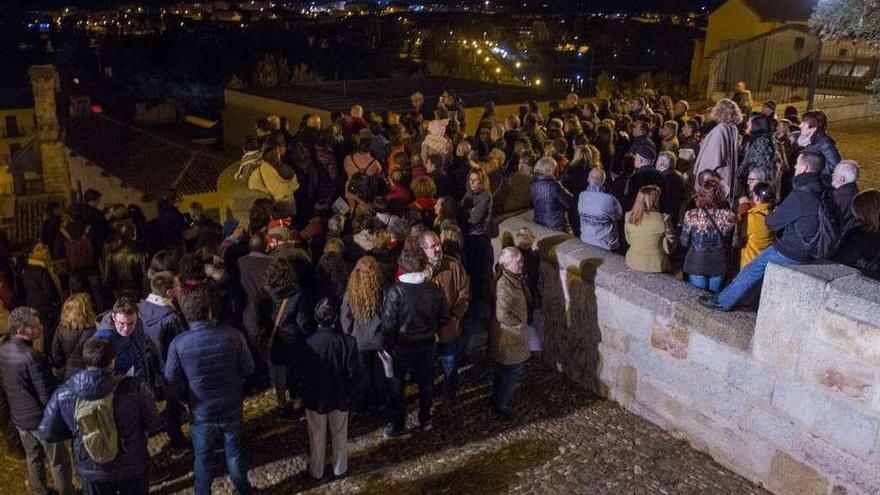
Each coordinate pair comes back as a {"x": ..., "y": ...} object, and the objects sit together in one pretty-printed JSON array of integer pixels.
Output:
[{"x": 788, "y": 398}]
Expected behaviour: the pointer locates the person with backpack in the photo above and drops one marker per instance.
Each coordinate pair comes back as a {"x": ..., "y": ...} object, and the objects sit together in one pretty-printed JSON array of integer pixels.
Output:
[
  {"x": 364, "y": 175},
  {"x": 28, "y": 382},
  {"x": 109, "y": 418},
  {"x": 805, "y": 230},
  {"x": 78, "y": 245}
]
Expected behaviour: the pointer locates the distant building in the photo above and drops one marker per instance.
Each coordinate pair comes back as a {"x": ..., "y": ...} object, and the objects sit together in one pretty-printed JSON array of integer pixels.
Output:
[
  {"x": 738, "y": 20},
  {"x": 17, "y": 129}
]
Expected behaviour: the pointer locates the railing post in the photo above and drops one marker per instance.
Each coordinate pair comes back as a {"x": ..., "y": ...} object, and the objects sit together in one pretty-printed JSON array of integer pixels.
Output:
[{"x": 814, "y": 76}]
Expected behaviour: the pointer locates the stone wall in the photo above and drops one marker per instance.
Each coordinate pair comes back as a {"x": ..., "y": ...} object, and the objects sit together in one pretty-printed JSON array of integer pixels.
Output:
[{"x": 788, "y": 398}]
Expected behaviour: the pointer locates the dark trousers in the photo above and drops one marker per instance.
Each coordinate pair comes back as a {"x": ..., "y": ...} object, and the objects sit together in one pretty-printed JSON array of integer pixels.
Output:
[
  {"x": 418, "y": 360},
  {"x": 139, "y": 485},
  {"x": 478, "y": 260},
  {"x": 38, "y": 451},
  {"x": 174, "y": 423},
  {"x": 10, "y": 434},
  {"x": 372, "y": 389},
  {"x": 504, "y": 383}
]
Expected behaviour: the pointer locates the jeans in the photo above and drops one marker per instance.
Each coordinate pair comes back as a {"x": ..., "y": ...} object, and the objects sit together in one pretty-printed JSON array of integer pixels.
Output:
[
  {"x": 203, "y": 436},
  {"x": 711, "y": 284},
  {"x": 371, "y": 390},
  {"x": 37, "y": 451},
  {"x": 751, "y": 274},
  {"x": 449, "y": 364},
  {"x": 504, "y": 383},
  {"x": 174, "y": 422},
  {"x": 139, "y": 485},
  {"x": 418, "y": 359}
]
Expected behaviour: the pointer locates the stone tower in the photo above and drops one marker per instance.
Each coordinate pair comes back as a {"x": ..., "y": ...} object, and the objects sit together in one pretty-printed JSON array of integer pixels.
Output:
[{"x": 56, "y": 176}]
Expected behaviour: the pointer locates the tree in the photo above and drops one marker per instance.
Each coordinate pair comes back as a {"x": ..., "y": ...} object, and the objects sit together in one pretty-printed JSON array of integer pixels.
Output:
[{"x": 849, "y": 19}]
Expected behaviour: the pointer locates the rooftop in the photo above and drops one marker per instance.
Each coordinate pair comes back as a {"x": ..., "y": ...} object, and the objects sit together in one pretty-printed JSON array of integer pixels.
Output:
[
  {"x": 393, "y": 94},
  {"x": 144, "y": 159},
  {"x": 782, "y": 10}
]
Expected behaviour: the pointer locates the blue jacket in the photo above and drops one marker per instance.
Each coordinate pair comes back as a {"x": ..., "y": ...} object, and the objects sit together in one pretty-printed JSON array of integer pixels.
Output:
[
  {"x": 206, "y": 366},
  {"x": 796, "y": 220},
  {"x": 133, "y": 410},
  {"x": 131, "y": 352},
  {"x": 551, "y": 202},
  {"x": 161, "y": 324}
]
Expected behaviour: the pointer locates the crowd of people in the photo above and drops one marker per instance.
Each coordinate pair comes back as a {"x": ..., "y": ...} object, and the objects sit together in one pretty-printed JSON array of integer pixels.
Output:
[{"x": 365, "y": 250}]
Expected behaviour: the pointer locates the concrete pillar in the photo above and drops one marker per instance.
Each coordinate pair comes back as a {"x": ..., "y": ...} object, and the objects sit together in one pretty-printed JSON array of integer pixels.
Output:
[{"x": 56, "y": 175}]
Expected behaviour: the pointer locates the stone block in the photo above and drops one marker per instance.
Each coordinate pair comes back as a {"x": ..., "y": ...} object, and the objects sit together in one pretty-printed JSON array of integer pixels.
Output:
[
  {"x": 670, "y": 338},
  {"x": 654, "y": 291},
  {"x": 863, "y": 476},
  {"x": 828, "y": 367},
  {"x": 788, "y": 476},
  {"x": 850, "y": 320},
  {"x": 615, "y": 313},
  {"x": 768, "y": 424},
  {"x": 616, "y": 339},
  {"x": 709, "y": 354},
  {"x": 734, "y": 328},
  {"x": 836, "y": 421},
  {"x": 751, "y": 377},
  {"x": 627, "y": 380},
  {"x": 790, "y": 302}
]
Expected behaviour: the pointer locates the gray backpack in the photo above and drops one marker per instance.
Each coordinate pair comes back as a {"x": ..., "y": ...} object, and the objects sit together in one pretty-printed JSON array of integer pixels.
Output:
[{"x": 97, "y": 428}]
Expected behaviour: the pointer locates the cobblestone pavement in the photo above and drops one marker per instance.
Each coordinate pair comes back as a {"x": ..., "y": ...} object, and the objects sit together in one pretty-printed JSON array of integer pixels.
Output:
[
  {"x": 563, "y": 440},
  {"x": 858, "y": 141}
]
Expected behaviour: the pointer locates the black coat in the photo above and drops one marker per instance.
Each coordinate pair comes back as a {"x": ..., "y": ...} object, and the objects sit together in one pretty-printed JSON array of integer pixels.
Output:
[
  {"x": 252, "y": 270},
  {"x": 843, "y": 197},
  {"x": 134, "y": 412},
  {"x": 330, "y": 369},
  {"x": 161, "y": 324},
  {"x": 67, "y": 349},
  {"x": 41, "y": 294},
  {"x": 673, "y": 196},
  {"x": 642, "y": 177},
  {"x": 126, "y": 271},
  {"x": 551, "y": 202},
  {"x": 823, "y": 144},
  {"x": 412, "y": 313},
  {"x": 295, "y": 325},
  {"x": 859, "y": 249},
  {"x": 796, "y": 220},
  {"x": 28, "y": 382}
]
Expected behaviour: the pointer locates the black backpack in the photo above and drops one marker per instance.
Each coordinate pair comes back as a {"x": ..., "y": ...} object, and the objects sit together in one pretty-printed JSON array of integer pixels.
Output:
[
  {"x": 824, "y": 243},
  {"x": 364, "y": 186}
]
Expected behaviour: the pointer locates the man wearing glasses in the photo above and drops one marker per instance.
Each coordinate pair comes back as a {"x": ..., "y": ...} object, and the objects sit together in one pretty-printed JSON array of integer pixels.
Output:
[{"x": 123, "y": 327}]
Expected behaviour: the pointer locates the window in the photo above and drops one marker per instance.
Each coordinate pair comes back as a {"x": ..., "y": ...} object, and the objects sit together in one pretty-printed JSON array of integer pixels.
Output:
[
  {"x": 842, "y": 52},
  {"x": 861, "y": 70},
  {"x": 799, "y": 43},
  {"x": 840, "y": 69},
  {"x": 14, "y": 149},
  {"x": 11, "y": 126}
]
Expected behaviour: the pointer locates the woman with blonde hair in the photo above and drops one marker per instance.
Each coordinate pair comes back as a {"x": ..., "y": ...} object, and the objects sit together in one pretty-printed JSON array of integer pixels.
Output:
[
  {"x": 76, "y": 325},
  {"x": 719, "y": 150},
  {"x": 649, "y": 233},
  {"x": 360, "y": 316}
]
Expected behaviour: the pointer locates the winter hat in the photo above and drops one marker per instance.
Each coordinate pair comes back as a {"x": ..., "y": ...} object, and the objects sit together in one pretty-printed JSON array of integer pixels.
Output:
[
  {"x": 771, "y": 105},
  {"x": 279, "y": 228}
]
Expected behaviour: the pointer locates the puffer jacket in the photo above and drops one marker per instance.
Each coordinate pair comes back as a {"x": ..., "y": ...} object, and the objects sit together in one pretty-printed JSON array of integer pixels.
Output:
[
  {"x": 134, "y": 412},
  {"x": 551, "y": 202},
  {"x": 27, "y": 380},
  {"x": 509, "y": 328},
  {"x": 67, "y": 348},
  {"x": 796, "y": 220},
  {"x": 206, "y": 366},
  {"x": 414, "y": 311}
]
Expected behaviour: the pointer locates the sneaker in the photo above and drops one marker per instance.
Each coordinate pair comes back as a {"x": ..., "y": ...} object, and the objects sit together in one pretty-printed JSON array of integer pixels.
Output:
[
  {"x": 711, "y": 302},
  {"x": 390, "y": 433}
]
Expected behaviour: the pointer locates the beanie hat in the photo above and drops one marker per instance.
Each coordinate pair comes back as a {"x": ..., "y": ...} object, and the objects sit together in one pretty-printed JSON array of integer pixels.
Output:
[{"x": 770, "y": 104}]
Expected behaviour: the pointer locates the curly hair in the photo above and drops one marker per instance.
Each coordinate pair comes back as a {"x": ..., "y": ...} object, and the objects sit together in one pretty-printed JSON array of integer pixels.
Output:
[
  {"x": 727, "y": 112},
  {"x": 364, "y": 289},
  {"x": 77, "y": 312},
  {"x": 711, "y": 195},
  {"x": 281, "y": 274},
  {"x": 424, "y": 187}
]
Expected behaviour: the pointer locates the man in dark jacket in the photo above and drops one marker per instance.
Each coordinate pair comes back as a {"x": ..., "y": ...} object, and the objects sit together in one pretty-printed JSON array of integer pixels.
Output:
[
  {"x": 41, "y": 290},
  {"x": 50, "y": 229},
  {"x": 205, "y": 367},
  {"x": 844, "y": 179},
  {"x": 645, "y": 174},
  {"x": 551, "y": 201},
  {"x": 28, "y": 383},
  {"x": 252, "y": 271},
  {"x": 674, "y": 190},
  {"x": 162, "y": 322},
  {"x": 123, "y": 327},
  {"x": 134, "y": 414},
  {"x": 94, "y": 218},
  {"x": 413, "y": 312},
  {"x": 330, "y": 366},
  {"x": 795, "y": 222}
]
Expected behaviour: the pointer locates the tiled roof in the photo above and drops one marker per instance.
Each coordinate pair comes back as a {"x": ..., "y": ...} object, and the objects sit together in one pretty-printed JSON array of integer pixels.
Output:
[
  {"x": 782, "y": 10},
  {"x": 393, "y": 94},
  {"x": 147, "y": 161}
]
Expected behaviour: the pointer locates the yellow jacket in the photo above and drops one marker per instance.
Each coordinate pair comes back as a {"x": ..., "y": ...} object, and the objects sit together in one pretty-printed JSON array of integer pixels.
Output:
[{"x": 756, "y": 236}]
